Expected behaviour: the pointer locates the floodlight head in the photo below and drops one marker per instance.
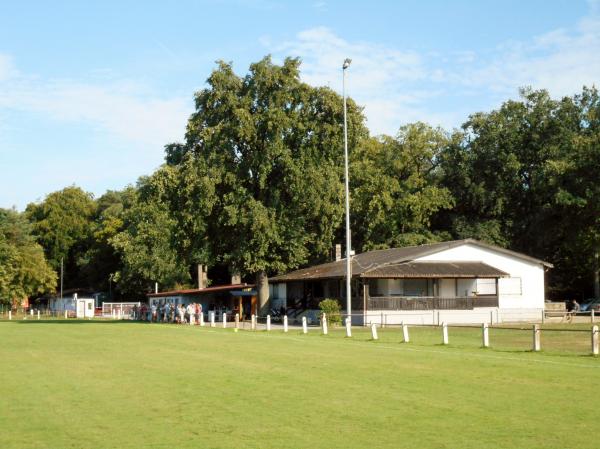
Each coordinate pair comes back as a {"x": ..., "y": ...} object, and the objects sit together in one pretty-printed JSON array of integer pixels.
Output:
[{"x": 347, "y": 62}]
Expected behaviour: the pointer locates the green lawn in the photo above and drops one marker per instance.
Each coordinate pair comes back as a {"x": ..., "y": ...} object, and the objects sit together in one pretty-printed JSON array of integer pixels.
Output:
[{"x": 81, "y": 384}]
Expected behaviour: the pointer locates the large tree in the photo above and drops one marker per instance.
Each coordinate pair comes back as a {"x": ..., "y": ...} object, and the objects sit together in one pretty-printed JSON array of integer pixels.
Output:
[
  {"x": 23, "y": 268},
  {"x": 144, "y": 236},
  {"x": 262, "y": 160},
  {"x": 63, "y": 225},
  {"x": 524, "y": 176}
]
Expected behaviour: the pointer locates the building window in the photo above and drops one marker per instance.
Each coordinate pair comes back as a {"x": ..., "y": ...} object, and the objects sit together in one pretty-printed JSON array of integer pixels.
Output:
[
  {"x": 486, "y": 286},
  {"x": 510, "y": 286}
]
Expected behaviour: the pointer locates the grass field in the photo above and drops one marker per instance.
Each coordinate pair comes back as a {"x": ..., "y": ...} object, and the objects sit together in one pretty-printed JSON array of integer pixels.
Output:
[{"x": 79, "y": 384}]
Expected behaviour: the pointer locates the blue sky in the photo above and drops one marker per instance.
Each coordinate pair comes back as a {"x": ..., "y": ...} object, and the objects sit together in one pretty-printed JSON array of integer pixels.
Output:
[{"x": 90, "y": 92}]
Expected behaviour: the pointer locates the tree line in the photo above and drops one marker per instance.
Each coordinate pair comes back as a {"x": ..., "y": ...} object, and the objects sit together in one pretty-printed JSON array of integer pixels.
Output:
[{"x": 256, "y": 188}]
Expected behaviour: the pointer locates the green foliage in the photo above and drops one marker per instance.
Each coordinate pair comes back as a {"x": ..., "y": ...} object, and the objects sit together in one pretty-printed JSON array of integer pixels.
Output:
[
  {"x": 395, "y": 190},
  {"x": 262, "y": 160},
  {"x": 23, "y": 268},
  {"x": 524, "y": 176},
  {"x": 145, "y": 240},
  {"x": 332, "y": 308},
  {"x": 63, "y": 224}
]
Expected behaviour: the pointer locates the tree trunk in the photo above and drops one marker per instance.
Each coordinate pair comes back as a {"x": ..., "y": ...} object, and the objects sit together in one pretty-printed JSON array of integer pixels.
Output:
[{"x": 262, "y": 289}]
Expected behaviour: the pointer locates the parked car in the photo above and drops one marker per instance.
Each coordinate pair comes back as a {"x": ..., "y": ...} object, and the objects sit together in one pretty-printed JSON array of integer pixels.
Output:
[{"x": 591, "y": 304}]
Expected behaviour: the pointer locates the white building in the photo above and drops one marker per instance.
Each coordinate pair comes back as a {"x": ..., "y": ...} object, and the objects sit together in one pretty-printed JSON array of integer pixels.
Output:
[{"x": 463, "y": 281}]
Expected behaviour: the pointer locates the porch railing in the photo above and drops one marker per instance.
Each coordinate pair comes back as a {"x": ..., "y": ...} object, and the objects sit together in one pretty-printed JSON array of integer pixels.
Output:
[{"x": 429, "y": 302}]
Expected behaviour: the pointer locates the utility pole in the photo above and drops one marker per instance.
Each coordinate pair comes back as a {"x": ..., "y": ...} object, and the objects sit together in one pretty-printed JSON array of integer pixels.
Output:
[
  {"x": 348, "y": 241},
  {"x": 61, "y": 278}
]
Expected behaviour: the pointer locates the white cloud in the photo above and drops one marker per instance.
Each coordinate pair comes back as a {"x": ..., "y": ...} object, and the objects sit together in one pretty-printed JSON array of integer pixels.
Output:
[
  {"x": 561, "y": 61},
  {"x": 124, "y": 109},
  {"x": 400, "y": 86}
]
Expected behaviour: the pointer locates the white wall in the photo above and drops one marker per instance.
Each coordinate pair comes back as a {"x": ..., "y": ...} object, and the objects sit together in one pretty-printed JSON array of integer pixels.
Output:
[
  {"x": 490, "y": 315},
  {"x": 531, "y": 274}
]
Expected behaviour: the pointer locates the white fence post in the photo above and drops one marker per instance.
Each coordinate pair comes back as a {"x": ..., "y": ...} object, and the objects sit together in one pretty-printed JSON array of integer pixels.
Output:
[
  {"x": 253, "y": 322},
  {"x": 444, "y": 333},
  {"x": 9, "y": 315},
  {"x": 224, "y": 320},
  {"x": 405, "y": 333},
  {"x": 237, "y": 320},
  {"x": 212, "y": 318},
  {"x": 38, "y": 313},
  {"x": 285, "y": 323},
  {"x": 304, "y": 325},
  {"x": 595, "y": 341},
  {"x": 486, "y": 335},
  {"x": 348, "y": 327},
  {"x": 201, "y": 319},
  {"x": 268, "y": 323},
  {"x": 374, "y": 331},
  {"x": 31, "y": 312},
  {"x": 324, "y": 324},
  {"x": 536, "y": 338},
  {"x": 592, "y": 316},
  {"x": 66, "y": 314}
]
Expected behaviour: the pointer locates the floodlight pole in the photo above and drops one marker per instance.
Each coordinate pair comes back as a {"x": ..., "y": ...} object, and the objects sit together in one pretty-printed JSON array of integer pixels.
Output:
[{"x": 348, "y": 242}]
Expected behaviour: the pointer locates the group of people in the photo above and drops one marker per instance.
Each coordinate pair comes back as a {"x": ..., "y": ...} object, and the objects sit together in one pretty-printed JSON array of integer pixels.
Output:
[{"x": 169, "y": 313}]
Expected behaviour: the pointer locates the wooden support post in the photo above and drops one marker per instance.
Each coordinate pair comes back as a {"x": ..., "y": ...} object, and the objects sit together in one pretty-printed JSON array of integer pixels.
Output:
[
  {"x": 595, "y": 340},
  {"x": 405, "y": 333},
  {"x": 304, "y": 325},
  {"x": 537, "y": 346},
  {"x": 253, "y": 322},
  {"x": 324, "y": 324},
  {"x": 348, "y": 327},
  {"x": 444, "y": 333},
  {"x": 224, "y": 320},
  {"x": 285, "y": 323},
  {"x": 268, "y": 323},
  {"x": 237, "y": 320},
  {"x": 485, "y": 332},
  {"x": 374, "y": 331},
  {"x": 491, "y": 317}
]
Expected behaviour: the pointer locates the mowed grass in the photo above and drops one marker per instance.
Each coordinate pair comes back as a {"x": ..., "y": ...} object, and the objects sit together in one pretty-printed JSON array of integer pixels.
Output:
[{"x": 81, "y": 384}]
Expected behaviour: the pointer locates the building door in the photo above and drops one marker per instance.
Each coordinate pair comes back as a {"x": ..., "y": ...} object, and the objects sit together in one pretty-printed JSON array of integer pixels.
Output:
[{"x": 80, "y": 309}]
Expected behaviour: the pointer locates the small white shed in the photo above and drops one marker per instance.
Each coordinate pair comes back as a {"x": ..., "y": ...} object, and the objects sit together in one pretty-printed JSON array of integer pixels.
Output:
[{"x": 84, "y": 307}]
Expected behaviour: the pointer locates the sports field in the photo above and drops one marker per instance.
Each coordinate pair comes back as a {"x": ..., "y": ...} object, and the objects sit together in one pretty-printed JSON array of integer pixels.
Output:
[{"x": 103, "y": 384}]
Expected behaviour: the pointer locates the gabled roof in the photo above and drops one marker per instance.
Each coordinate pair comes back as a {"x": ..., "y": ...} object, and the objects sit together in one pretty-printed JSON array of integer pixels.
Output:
[{"x": 371, "y": 260}]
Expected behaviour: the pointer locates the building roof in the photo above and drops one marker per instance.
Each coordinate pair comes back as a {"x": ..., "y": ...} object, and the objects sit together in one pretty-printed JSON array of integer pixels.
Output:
[
  {"x": 435, "y": 270},
  {"x": 195, "y": 291},
  {"x": 366, "y": 262}
]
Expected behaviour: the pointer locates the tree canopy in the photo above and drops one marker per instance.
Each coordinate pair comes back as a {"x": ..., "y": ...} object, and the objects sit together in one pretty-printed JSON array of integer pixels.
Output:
[
  {"x": 23, "y": 268},
  {"x": 263, "y": 157}
]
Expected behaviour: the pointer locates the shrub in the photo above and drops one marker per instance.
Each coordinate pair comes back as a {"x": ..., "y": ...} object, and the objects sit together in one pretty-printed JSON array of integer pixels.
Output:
[{"x": 332, "y": 308}]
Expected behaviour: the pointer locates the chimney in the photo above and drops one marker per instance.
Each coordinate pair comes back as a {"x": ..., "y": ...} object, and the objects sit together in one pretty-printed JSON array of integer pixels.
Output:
[
  {"x": 201, "y": 276},
  {"x": 236, "y": 278},
  {"x": 338, "y": 252}
]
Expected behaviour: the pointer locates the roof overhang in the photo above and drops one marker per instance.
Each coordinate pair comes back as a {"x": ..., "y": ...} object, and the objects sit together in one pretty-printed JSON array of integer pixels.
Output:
[
  {"x": 203, "y": 291},
  {"x": 442, "y": 269}
]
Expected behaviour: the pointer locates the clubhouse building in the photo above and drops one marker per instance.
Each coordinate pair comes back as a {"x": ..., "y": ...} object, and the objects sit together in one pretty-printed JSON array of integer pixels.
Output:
[{"x": 462, "y": 281}]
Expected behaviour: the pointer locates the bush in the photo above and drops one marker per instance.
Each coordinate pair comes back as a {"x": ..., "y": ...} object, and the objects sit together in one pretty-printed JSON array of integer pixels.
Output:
[{"x": 331, "y": 307}]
